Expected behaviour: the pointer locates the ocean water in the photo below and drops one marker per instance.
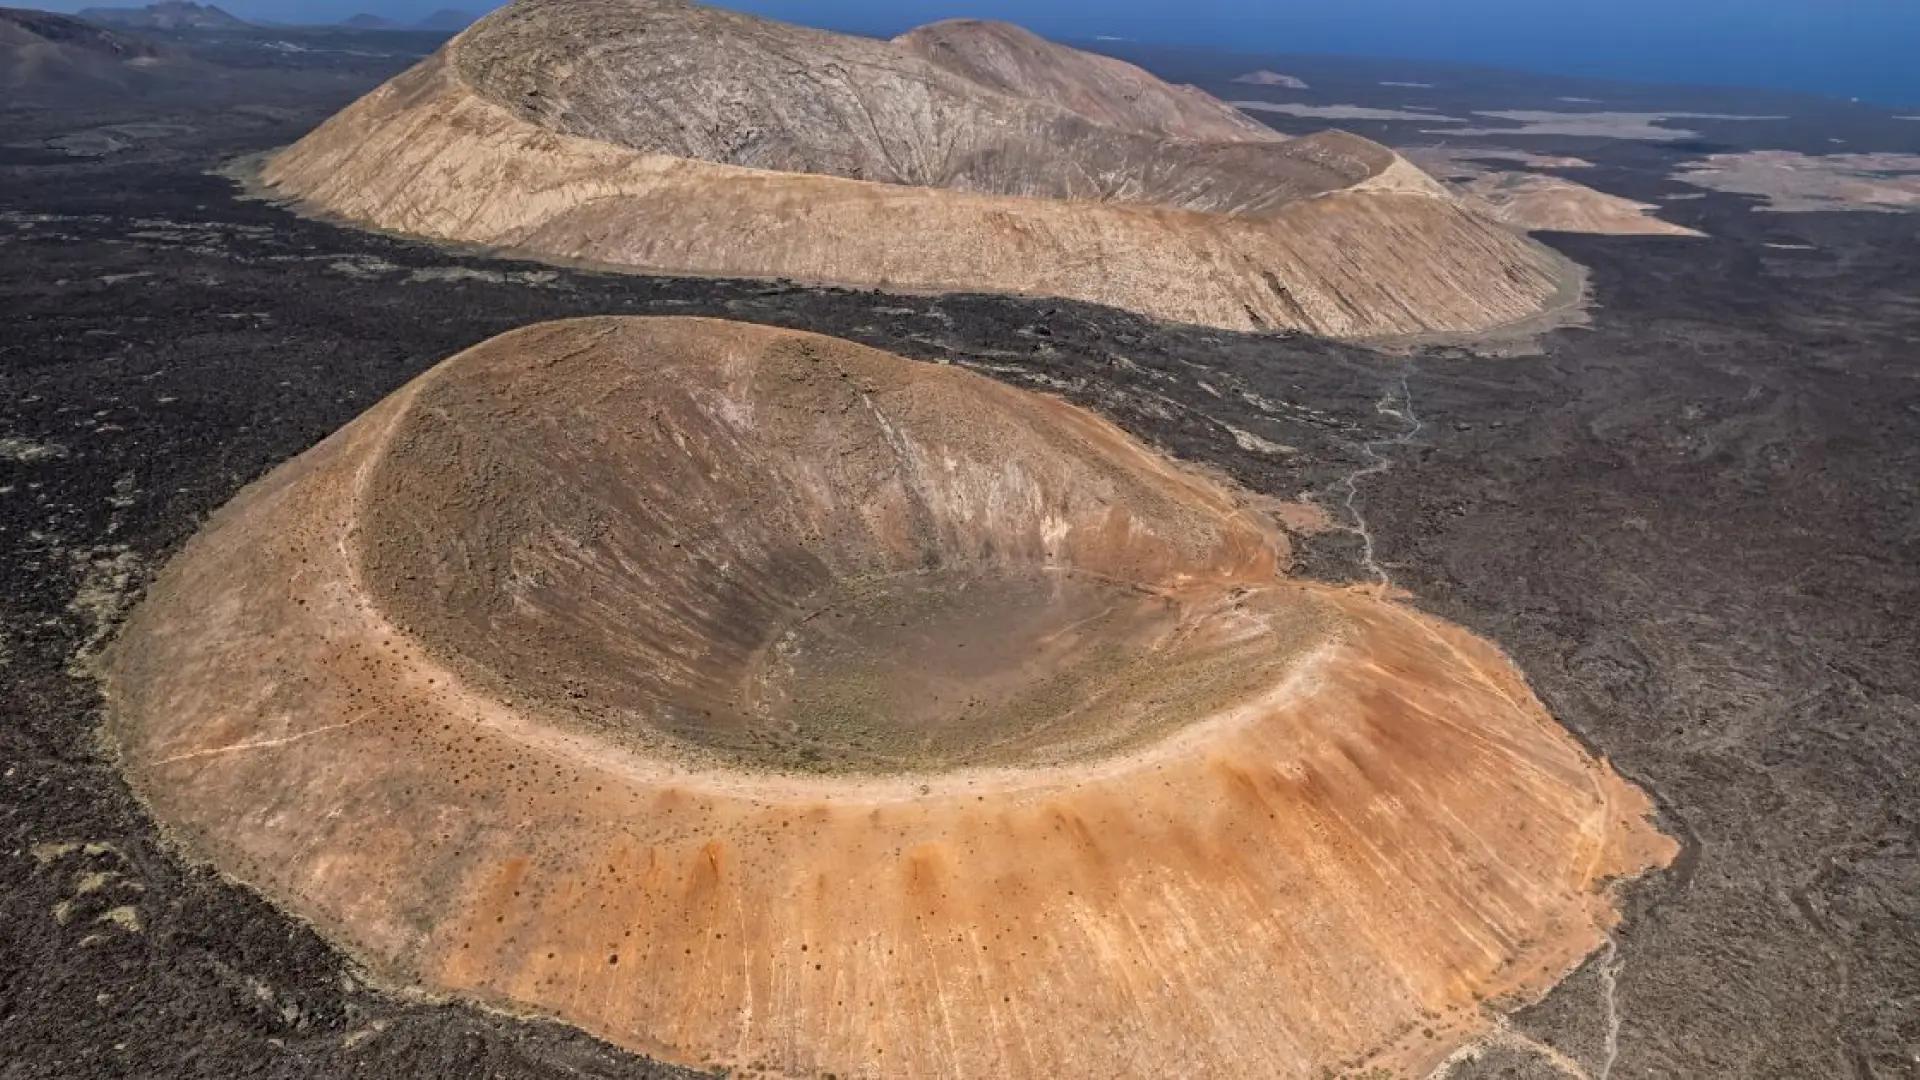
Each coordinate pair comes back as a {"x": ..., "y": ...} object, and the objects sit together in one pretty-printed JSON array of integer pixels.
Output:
[{"x": 1866, "y": 49}]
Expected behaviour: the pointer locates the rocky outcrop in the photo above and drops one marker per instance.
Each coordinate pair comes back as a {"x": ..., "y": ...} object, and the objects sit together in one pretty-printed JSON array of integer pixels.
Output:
[
  {"x": 767, "y": 702},
  {"x": 666, "y": 136}
]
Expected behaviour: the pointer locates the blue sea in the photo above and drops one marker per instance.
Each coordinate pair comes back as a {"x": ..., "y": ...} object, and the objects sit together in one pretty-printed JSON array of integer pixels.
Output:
[{"x": 1866, "y": 49}]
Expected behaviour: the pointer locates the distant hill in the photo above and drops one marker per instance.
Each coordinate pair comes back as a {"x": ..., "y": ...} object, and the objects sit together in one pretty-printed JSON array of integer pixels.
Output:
[
  {"x": 58, "y": 55},
  {"x": 365, "y": 21},
  {"x": 1263, "y": 77},
  {"x": 166, "y": 15},
  {"x": 447, "y": 19}
]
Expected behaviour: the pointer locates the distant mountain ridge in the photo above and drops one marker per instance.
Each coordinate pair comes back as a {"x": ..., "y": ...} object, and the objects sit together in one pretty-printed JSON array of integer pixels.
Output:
[
  {"x": 21, "y": 26},
  {"x": 167, "y": 15},
  {"x": 42, "y": 53},
  {"x": 1263, "y": 77},
  {"x": 451, "y": 20},
  {"x": 447, "y": 19}
]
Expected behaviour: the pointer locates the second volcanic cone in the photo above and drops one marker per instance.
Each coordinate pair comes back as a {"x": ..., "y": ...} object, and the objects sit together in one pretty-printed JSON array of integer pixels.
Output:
[{"x": 672, "y": 137}]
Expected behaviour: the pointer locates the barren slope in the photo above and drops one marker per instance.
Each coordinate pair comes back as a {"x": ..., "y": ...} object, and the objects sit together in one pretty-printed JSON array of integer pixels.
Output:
[
  {"x": 738, "y": 90},
  {"x": 1537, "y": 202},
  {"x": 1110, "y": 92},
  {"x": 667, "y": 136},
  {"x": 515, "y": 685}
]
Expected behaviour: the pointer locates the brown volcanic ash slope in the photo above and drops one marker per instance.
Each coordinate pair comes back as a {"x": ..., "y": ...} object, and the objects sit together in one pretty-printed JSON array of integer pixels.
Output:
[
  {"x": 964, "y": 156},
  {"x": 754, "y": 698}
]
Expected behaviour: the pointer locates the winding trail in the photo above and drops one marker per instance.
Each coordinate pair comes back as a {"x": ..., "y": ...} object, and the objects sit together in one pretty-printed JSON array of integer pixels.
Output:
[
  {"x": 1378, "y": 463},
  {"x": 1397, "y": 401}
]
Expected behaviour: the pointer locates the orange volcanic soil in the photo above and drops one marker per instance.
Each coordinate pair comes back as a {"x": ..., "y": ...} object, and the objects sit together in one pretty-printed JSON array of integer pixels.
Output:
[{"x": 756, "y": 699}]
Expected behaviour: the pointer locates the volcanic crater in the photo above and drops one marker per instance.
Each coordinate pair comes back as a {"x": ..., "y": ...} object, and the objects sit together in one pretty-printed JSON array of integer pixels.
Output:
[
  {"x": 809, "y": 556},
  {"x": 760, "y": 700},
  {"x": 962, "y": 156}
]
